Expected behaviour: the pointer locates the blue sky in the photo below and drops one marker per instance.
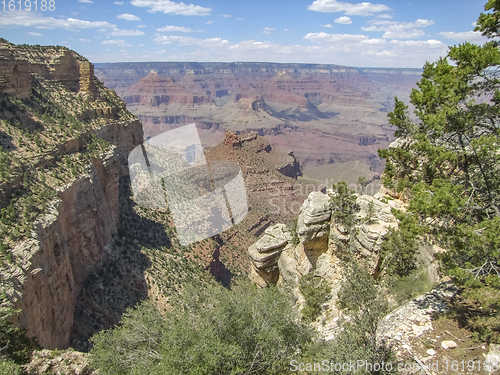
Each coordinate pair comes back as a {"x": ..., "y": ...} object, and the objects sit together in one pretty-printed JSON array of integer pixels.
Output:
[{"x": 385, "y": 33}]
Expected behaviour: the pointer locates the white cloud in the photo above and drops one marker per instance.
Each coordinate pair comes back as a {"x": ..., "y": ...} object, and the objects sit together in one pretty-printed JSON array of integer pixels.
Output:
[
  {"x": 187, "y": 40},
  {"x": 84, "y": 40},
  {"x": 31, "y": 33},
  {"x": 268, "y": 30},
  {"x": 360, "y": 9},
  {"x": 37, "y": 20},
  {"x": 181, "y": 29},
  {"x": 320, "y": 48},
  {"x": 399, "y": 30},
  {"x": 334, "y": 38},
  {"x": 85, "y": 1},
  {"x": 386, "y": 16},
  {"x": 209, "y": 22},
  {"x": 128, "y": 17},
  {"x": 240, "y": 19},
  {"x": 118, "y": 42},
  {"x": 327, "y": 25},
  {"x": 118, "y": 3},
  {"x": 343, "y": 20},
  {"x": 464, "y": 36},
  {"x": 171, "y": 7},
  {"x": 117, "y": 32},
  {"x": 226, "y": 15}
]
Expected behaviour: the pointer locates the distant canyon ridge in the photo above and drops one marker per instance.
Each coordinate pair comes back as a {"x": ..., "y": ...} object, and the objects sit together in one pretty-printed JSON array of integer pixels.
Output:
[{"x": 326, "y": 114}]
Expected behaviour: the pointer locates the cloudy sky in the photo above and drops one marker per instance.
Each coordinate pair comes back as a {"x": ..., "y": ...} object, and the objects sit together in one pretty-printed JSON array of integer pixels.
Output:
[{"x": 385, "y": 33}]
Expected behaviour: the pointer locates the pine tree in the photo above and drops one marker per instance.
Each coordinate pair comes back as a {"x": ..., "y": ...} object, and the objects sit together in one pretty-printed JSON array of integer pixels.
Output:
[{"x": 448, "y": 162}]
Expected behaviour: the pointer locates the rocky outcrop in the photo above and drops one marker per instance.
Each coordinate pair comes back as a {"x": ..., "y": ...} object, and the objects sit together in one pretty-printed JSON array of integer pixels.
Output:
[
  {"x": 15, "y": 74},
  {"x": 415, "y": 317},
  {"x": 284, "y": 161},
  {"x": 87, "y": 77},
  {"x": 155, "y": 90},
  {"x": 67, "y": 362},
  {"x": 313, "y": 226},
  {"x": 265, "y": 253},
  {"x": 18, "y": 63},
  {"x": 322, "y": 242},
  {"x": 67, "y": 243}
]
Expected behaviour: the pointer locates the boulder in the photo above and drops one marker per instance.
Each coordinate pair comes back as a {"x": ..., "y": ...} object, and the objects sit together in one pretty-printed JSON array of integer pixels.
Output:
[
  {"x": 313, "y": 224},
  {"x": 265, "y": 254}
]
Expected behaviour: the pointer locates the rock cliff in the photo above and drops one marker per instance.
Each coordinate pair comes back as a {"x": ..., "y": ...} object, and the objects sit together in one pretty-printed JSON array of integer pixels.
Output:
[
  {"x": 321, "y": 242},
  {"x": 64, "y": 151}
]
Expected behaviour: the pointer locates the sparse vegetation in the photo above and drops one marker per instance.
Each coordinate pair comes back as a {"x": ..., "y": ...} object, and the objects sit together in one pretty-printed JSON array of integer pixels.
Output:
[
  {"x": 316, "y": 292},
  {"x": 343, "y": 204}
]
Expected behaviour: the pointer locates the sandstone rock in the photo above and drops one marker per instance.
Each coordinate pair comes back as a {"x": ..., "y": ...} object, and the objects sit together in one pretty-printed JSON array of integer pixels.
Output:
[
  {"x": 397, "y": 328},
  {"x": 368, "y": 233},
  {"x": 449, "y": 344},
  {"x": 265, "y": 254},
  {"x": 288, "y": 266},
  {"x": 69, "y": 241},
  {"x": 263, "y": 260},
  {"x": 274, "y": 238},
  {"x": 313, "y": 223},
  {"x": 232, "y": 140}
]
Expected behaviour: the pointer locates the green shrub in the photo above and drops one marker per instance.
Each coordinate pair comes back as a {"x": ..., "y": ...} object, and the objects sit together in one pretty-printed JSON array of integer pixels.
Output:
[
  {"x": 343, "y": 204},
  {"x": 8, "y": 367},
  {"x": 400, "y": 246},
  {"x": 214, "y": 331},
  {"x": 364, "y": 305},
  {"x": 316, "y": 292},
  {"x": 407, "y": 287}
]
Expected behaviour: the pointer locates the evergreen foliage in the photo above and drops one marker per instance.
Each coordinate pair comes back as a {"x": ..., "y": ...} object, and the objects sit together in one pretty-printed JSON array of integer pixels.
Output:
[
  {"x": 360, "y": 297},
  {"x": 447, "y": 165},
  {"x": 343, "y": 204},
  {"x": 316, "y": 291},
  {"x": 212, "y": 331},
  {"x": 15, "y": 347}
]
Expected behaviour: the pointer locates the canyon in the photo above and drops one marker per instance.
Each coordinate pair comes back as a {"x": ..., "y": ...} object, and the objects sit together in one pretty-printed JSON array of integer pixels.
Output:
[
  {"x": 326, "y": 114},
  {"x": 90, "y": 252},
  {"x": 77, "y": 249}
]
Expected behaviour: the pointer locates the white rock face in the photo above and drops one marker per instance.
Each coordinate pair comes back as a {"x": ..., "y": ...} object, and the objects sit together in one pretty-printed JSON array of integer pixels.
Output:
[
  {"x": 323, "y": 243},
  {"x": 415, "y": 317},
  {"x": 313, "y": 224},
  {"x": 265, "y": 253}
]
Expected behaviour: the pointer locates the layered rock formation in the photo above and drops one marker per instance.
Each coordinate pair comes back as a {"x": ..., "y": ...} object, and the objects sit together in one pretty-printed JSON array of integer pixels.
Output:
[
  {"x": 321, "y": 243},
  {"x": 70, "y": 237},
  {"x": 325, "y": 113},
  {"x": 265, "y": 253},
  {"x": 155, "y": 90},
  {"x": 17, "y": 64}
]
